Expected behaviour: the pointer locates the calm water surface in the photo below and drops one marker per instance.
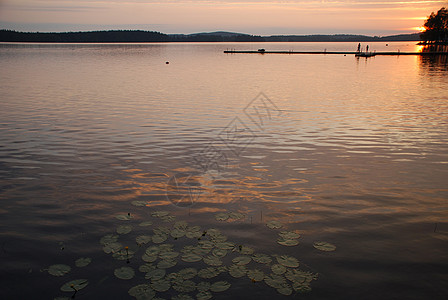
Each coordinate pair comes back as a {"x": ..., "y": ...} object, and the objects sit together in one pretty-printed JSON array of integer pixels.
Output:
[{"x": 349, "y": 151}]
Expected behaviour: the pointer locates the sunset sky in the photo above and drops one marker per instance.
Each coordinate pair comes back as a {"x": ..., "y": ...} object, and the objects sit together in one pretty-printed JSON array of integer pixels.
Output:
[{"x": 261, "y": 17}]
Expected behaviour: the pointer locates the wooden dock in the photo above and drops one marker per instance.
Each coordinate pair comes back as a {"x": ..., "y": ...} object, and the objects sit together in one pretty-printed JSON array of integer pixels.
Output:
[{"x": 334, "y": 52}]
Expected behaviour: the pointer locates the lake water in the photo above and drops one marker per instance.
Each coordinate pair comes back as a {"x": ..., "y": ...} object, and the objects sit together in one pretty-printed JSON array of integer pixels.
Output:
[{"x": 353, "y": 152}]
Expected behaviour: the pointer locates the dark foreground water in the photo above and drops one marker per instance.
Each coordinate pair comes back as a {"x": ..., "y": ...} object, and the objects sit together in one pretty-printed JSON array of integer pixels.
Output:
[{"x": 352, "y": 152}]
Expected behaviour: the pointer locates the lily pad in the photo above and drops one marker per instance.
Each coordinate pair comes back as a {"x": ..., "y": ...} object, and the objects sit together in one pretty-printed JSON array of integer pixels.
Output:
[
  {"x": 146, "y": 268},
  {"x": 288, "y": 261},
  {"x": 143, "y": 239},
  {"x": 161, "y": 285},
  {"x": 278, "y": 269},
  {"x": 193, "y": 232},
  {"x": 219, "y": 286},
  {"x": 191, "y": 257},
  {"x": 274, "y": 224},
  {"x": 139, "y": 203},
  {"x": 288, "y": 235},
  {"x": 160, "y": 213},
  {"x": 168, "y": 255},
  {"x": 203, "y": 286},
  {"x": 225, "y": 245},
  {"x": 237, "y": 271},
  {"x": 221, "y": 216},
  {"x": 324, "y": 246},
  {"x": 236, "y": 216},
  {"x": 124, "y": 229},
  {"x": 124, "y": 217},
  {"x": 109, "y": 238},
  {"x": 74, "y": 285},
  {"x": 184, "y": 286},
  {"x": 262, "y": 258},
  {"x": 285, "y": 289},
  {"x": 275, "y": 281},
  {"x": 123, "y": 254},
  {"x": 124, "y": 273},
  {"x": 242, "y": 260},
  {"x": 298, "y": 276},
  {"x": 112, "y": 247},
  {"x": 59, "y": 270},
  {"x": 167, "y": 263},
  {"x": 159, "y": 238},
  {"x": 255, "y": 275},
  {"x": 219, "y": 252},
  {"x": 145, "y": 223},
  {"x": 83, "y": 261},
  {"x": 152, "y": 250},
  {"x": 149, "y": 259},
  {"x": 182, "y": 297},
  {"x": 177, "y": 233},
  {"x": 208, "y": 273},
  {"x": 245, "y": 250},
  {"x": 142, "y": 292},
  {"x": 212, "y": 261},
  {"x": 287, "y": 242},
  {"x": 188, "y": 273},
  {"x": 206, "y": 244},
  {"x": 204, "y": 295},
  {"x": 155, "y": 274}
]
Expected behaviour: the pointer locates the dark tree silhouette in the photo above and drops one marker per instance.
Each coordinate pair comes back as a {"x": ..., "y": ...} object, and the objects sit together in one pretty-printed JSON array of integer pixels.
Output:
[{"x": 436, "y": 27}]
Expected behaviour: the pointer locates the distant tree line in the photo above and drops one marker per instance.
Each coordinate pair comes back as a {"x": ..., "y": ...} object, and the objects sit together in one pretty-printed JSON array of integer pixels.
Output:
[{"x": 138, "y": 36}]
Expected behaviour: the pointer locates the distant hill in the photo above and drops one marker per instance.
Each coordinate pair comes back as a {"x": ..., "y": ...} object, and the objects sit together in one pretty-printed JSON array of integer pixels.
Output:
[{"x": 139, "y": 36}]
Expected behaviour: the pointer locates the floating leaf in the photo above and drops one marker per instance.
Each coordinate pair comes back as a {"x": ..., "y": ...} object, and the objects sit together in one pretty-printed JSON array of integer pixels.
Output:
[
  {"x": 124, "y": 217},
  {"x": 193, "y": 232},
  {"x": 152, "y": 250},
  {"x": 168, "y": 255},
  {"x": 123, "y": 254},
  {"x": 301, "y": 287},
  {"x": 298, "y": 276},
  {"x": 237, "y": 271},
  {"x": 124, "y": 273},
  {"x": 165, "y": 264},
  {"x": 236, "y": 216},
  {"x": 219, "y": 286},
  {"x": 289, "y": 235},
  {"x": 166, "y": 248},
  {"x": 203, "y": 286},
  {"x": 146, "y": 223},
  {"x": 221, "y": 216},
  {"x": 191, "y": 257},
  {"x": 242, "y": 260},
  {"x": 109, "y": 238},
  {"x": 274, "y": 224},
  {"x": 177, "y": 233},
  {"x": 285, "y": 242},
  {"x": 155, "y": 274},
  {"x": 278, "y": 269},
  {"x": 184, "y": 286},
  {"x": 212, "y": 261},
  {"x": 219, "y": 252},
  {"x": 245, "y": 250},
  {"x": 74, "y": 285},
  {"x": 208, "y": 273},
  {"x": 275, "y": 281},
  {"x": 168, "y": 218},
  {"x": 159, "y": 238},
  {"x": 112, "y": 247},
  {"x": 262, "y": 258},
  {"x": 143, "y": 239},
  {"x": 324, "y": 246},
  {"x": 204, "y": 295},
  {"x": 83, "y": 261},
  {"x": 159, "y": 214},
  {"x": 59, "y": 270},
  {"x": 139, "y": 203},
  {"x": 188, "y": 273},
  {"x": 161, "y": 285},
  {"x": 182, "y": 297},
  {"x": 124, "y": 229},
  {"x": 225, "y": 245},
  {"x": 255, "y": 275},
  {"x": 149, "y": 259},
  {"x": 288, "y": 261},
  {"x": 142, "y": 292},
  {"x": 182, "y": 225},
  {"x": 146, "y": 268},
  {"x": 206, "y": 244},
  {"x": 285, "y": 289}
]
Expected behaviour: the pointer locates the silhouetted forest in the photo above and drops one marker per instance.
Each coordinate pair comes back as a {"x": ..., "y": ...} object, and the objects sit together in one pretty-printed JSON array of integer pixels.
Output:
[{"x": 139, "y": 36}]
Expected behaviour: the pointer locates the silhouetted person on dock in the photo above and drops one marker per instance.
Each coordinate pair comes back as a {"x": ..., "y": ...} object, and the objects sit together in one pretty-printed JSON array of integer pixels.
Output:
[
  {"x": 359, "y": 47},
  {"x": 367, "y": 48}
]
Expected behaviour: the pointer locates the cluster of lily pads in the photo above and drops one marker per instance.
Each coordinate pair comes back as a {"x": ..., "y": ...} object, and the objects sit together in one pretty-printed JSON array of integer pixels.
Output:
[{"x": 204, "y": 254}]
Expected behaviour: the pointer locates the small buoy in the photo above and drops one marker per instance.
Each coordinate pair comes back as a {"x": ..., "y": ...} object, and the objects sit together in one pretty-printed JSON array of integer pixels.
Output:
[
  {"x": 167, "y": 62},
  {"x": 387, "y": 45},
  {"x": 345, "y": 54}
]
